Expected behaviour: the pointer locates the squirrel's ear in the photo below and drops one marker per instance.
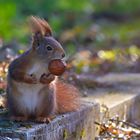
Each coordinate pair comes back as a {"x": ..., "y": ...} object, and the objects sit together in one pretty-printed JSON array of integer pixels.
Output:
[
  {"x": 47, "y": 31},
  {"x": 36, "y": 39},
  {"x": 40, "y": 26}
]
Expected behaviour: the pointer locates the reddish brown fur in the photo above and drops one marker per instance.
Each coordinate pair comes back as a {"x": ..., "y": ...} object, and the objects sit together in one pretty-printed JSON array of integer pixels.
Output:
[
  {"x": 18, "y": 68},
  {"x": 67, "y": 97}
]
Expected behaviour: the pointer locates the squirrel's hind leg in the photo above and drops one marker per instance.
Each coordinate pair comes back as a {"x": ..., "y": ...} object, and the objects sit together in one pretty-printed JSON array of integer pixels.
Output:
[
  {"x": 47, "y": 106},
  {"x": 17, "y": 112}
]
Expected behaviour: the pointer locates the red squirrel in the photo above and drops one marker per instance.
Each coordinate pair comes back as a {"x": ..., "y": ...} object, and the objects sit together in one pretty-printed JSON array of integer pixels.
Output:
[{"x": 32, "y": 91}]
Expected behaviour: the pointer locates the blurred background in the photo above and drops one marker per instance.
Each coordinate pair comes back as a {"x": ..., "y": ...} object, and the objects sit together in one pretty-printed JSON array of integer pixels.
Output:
[{"x": 99, "y": 36}]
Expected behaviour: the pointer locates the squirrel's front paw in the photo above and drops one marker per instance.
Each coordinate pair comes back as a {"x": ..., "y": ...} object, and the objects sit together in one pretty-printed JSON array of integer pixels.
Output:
[
  {"x": 46, "y": 78},
  {"x": 30, "y": 79}
]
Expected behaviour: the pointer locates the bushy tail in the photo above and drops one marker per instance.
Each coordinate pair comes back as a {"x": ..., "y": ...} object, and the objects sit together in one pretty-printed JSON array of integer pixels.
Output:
[{"x": 67, "y": 97}]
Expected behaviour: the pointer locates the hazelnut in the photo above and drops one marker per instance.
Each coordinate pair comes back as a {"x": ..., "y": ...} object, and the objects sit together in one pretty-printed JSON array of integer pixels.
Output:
[{"x": 56, "y": 67}]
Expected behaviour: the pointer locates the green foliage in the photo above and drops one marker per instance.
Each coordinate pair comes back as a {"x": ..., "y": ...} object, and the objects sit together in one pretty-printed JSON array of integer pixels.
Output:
[
  {"x": 117, "y": 6},
  {"x": 61, "y": 14},
  {"x": 120, "y": 31},
  {"x": 7, "y": 14},
  {"x": 14, "y": 12},
  {"x": 75, "y": 5},
  {"x": 38, "y": 7}
]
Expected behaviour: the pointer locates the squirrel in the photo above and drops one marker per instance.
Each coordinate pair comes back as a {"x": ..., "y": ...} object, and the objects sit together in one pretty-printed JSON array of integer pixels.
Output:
[{"x": 32, "y": 91}]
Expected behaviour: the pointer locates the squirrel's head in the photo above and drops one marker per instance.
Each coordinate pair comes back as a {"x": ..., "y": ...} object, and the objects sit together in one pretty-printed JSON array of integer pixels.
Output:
[{"x": 43, "y": 43}]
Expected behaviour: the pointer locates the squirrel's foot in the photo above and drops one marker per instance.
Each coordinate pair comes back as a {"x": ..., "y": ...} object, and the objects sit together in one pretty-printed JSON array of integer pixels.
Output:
[
  {"x": 45, "y": 119},
  {"x": 30, "y": 79},
  {"x": 18, "y": 118},
  {"x": 46, "y": 78}
]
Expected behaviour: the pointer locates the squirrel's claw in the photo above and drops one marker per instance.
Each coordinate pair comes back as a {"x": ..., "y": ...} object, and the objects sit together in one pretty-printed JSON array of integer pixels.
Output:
[
  {"x": 46, "y": 78},
  {"x": 43, "y": 120}
]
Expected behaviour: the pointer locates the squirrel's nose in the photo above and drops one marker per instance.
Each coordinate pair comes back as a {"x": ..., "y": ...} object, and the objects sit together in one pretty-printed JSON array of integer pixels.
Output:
[{"x": 63, "y": 55}]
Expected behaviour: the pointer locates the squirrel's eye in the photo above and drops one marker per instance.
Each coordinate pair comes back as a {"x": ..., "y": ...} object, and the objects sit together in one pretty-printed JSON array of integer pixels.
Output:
[{"x": 49, "y": 48}]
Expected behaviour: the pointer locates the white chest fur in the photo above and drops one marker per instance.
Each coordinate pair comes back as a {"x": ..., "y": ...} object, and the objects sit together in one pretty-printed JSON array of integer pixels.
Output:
[
  {"x": 30, "y": 92},
  {"x": 29, "y": 95}
]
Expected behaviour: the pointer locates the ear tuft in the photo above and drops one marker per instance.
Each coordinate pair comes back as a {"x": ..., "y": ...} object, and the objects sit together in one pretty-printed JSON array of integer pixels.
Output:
[{"x": 40, "y": 26}]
